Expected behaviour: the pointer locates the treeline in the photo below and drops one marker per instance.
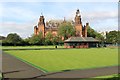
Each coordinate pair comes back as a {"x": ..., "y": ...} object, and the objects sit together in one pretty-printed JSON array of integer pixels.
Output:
[
  {"x": 64, "y": 32},
  {"x": 14, "y": 39}
]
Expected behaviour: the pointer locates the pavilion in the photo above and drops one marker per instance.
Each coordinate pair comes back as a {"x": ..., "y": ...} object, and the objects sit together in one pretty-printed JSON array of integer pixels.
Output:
[{"x": 81, "y": 42}]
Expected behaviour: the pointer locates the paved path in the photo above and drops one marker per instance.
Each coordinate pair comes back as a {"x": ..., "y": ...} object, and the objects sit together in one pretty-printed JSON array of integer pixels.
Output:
[
  {"x": 87, "y": 73},
  {"x": 14, "y": 68}
]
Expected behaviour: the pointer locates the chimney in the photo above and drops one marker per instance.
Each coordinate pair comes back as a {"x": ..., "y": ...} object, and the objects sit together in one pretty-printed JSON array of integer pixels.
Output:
[{"x": 87, "y": 24}]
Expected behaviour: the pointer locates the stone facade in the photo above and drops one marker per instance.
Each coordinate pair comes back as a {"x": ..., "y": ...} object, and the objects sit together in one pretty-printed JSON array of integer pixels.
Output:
[{"x": 81, "y": 31}]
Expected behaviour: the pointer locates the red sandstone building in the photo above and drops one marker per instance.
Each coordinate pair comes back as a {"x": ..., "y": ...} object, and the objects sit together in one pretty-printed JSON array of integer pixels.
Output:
[
  {"x": 52, "y": 27},
  {"x": 80, "y": 41}
]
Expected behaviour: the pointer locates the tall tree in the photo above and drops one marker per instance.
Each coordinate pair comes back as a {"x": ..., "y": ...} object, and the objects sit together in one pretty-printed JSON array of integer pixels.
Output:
[
  {"x": 66, "y": 30},
  {"x": 112, "y": 37},
  {"x": 36, "y": 39},
  {"x": 92, "y": 33},
  {"x": 118, "y": 38},
  {"x": 48, "y": 38},
  {"x": 13, "y": 38},
  {"x": 55, "y": 40},
  {"x": 2, "y": 37}
]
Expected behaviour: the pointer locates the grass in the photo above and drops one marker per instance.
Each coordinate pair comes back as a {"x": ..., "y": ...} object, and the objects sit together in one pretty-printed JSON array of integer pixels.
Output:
[
  {"x": 22, "y": 47},
  {"x": 0, "y": 76},
  {"x": 57, "y": 60},
  {"x": 108, "y": 76}
]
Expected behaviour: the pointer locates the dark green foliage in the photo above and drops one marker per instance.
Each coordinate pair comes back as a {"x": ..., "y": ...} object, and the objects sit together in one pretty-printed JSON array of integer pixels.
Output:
[
  {"x": 26, "y": 41},
  {"x": 36, "y": 39},
  {"x": 55, "y": 40},
  {"x": 48, "y": 39},
  {"x": 2, "y": 37},
  {"x": 66, "y": 30},
  {"x": 92, "y": 33},
  {"x": 118, "y": 38},
  {"x": 113, "y": 37},
  {"x": 13, "y": 39}
]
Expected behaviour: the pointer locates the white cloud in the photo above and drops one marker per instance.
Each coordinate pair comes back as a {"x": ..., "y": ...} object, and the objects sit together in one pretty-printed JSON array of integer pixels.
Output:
[
  {"x": 101, "y": 15},
  {"x": 95, "y": 15},
  {"x": 30, "y": 18},
  {"x": 1, "y": 11},
  {"x": 98, "y": 20},
  {"x": 18, "y": 13},
  {"x": 24, "y": 30}
]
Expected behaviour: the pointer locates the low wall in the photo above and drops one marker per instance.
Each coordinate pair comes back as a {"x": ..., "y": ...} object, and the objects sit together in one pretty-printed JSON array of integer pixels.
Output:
[{"x": 80, "y": 46}]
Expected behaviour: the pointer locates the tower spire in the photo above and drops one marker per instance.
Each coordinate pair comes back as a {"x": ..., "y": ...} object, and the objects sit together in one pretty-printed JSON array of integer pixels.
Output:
[
  {"x": 78, "y": 12},
  {"x": 41, "y": 14},
  {"x": 78, "y": 24},
  {"x": 64, "y": 20}
]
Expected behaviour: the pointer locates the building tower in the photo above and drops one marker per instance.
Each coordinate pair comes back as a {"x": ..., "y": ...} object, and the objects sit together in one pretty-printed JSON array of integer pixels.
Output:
[
  {"x": 78, "y": 24},
  {"x": 41, "y": 26}
]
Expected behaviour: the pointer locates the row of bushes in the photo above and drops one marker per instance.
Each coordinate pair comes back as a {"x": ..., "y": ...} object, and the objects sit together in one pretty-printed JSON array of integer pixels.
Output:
[
  {"x": 24, "y": 43},
  {"x": 14, "y": 39}
]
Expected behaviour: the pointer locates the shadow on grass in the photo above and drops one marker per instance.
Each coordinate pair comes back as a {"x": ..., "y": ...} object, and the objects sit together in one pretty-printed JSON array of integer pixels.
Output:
[
  {"x": 42, "y": 49},
  {"x": 35, "y": 49}
]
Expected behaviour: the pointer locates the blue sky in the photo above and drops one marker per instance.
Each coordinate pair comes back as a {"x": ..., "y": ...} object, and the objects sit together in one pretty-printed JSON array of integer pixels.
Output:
[{"x": 21, "y": 17}]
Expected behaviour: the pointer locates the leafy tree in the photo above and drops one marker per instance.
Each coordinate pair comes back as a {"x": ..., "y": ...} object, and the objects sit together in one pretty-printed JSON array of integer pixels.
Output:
[
  {"x": 113, "y": 37},
  {"x": 26, "y": 41},
  {"x": 36, "y": 39},
  {"x": 48, "y": 38},
  {"x": 13, "y": 38},
  {"x": 66, "y": 30},
  {"x": 2, "y": 37},
  {"x": 55, "y": 40},
  {"x": 118, "y": 38},
  {"x": 92, "y": 33},
  {"x": 100, "y": 37}
]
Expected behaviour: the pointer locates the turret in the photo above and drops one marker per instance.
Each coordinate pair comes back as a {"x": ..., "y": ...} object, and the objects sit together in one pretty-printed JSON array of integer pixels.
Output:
[
  {"x": 41, "y": 25},
  {"x": 78, "y": 24},
  {"x": 35, "y": 30},
  {"x": 78, "y": 18},
  {"x": 41, "y": 20}
]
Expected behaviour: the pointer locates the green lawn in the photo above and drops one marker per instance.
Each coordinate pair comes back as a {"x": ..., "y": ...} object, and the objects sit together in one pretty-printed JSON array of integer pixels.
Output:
[
  {"x": 0, "y": 76},
  {"x": 22, "y": 47},
  {"x": 57, "y": 60},
  {"x": 108, "y": 76}
]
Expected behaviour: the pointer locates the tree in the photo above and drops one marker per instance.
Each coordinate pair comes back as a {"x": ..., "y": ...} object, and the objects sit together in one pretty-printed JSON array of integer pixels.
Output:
[
  {"x": 48, "y": 38},
  {"x": 55, "y": 40},
  {"x": 26, "y": 41},
  {"x": 36, "y": 39},
  {"x": 66, "y": 30},
  {"x": 112, "y": 37},
  {"x": 118, "y": 38},
  {"x": 2, "y": 37},
  {"x": 13, "y": 38},
  {"x": 92, "y": 33},
  {"x": 99, "y": 37}
]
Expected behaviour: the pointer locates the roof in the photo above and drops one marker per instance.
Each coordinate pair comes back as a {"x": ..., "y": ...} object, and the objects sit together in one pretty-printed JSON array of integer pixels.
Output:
[{"x": 81, "y": 39}]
